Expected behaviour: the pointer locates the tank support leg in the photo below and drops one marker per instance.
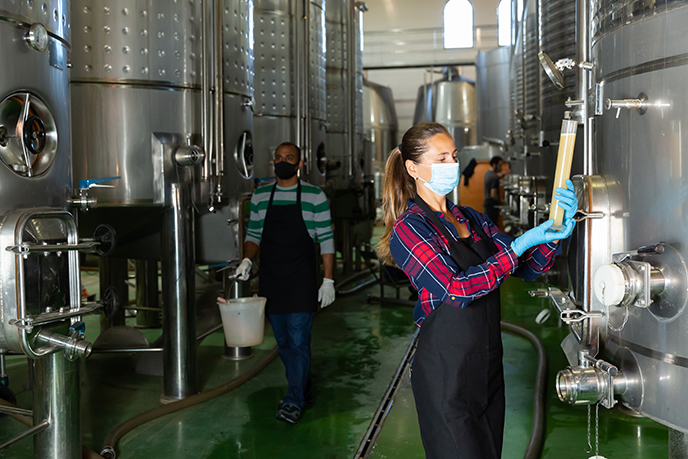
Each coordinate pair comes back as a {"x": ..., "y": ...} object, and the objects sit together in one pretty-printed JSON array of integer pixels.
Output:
[
  {"x": 678, "y": 444},
  {"x": 179, "y": 301},
  {"x": 56, "y": 399}
]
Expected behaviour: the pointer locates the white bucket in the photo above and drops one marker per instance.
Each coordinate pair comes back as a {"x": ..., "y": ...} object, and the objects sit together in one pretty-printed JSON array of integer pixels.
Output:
[{"x": 243, "y": 320}]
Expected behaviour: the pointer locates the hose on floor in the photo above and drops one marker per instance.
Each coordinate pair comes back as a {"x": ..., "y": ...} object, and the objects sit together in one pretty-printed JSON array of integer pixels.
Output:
[
  {"x": 537, "y": 434},
  {"x": 118, "y": 432}
]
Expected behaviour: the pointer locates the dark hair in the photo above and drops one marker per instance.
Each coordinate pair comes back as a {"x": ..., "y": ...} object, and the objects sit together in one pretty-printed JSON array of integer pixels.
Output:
[
  {"x": 496, "y": 160},
  {"x": 399, "y": 186},
  {"x": 294, "y": 146}
]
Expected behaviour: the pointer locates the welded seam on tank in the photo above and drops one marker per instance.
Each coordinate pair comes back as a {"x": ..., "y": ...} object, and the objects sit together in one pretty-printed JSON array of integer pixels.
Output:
[
  {"x": 678, "y": 60},
  {"x": 137, "y": 84},
  {"x": 671, "y": 359}
]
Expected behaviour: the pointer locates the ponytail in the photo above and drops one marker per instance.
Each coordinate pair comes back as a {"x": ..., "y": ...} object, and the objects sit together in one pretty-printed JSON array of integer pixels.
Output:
[
  {"x": 398, "y": 189},
  {"x": 399, "y": 186}
]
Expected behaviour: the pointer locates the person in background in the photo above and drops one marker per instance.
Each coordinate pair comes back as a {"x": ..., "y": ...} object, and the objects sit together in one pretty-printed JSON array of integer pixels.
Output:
[
  {"x": 457, "y": 259},
  {"x": 287, "y": 218},
  {"x": 492, "y": 198}
]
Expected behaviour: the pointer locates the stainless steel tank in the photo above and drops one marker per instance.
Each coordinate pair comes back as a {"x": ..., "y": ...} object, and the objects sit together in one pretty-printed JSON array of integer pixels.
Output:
[
  {"x": 344, "y": 93},
  {"x": 492, "y": 95},
  {"x": 143, "y": 64},
  {"x": 631, "y": 254},
  {"x": 449, "y": 101},
  {"x": 380, "y": 125},
  {"x": 290, "y": 95},
  {"x": 39, "y": 289},
  {"x": 136, "y": 76}
]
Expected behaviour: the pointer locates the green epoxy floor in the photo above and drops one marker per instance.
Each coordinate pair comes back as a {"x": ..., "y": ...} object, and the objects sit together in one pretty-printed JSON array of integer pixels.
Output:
[{"x": 356, "y": 349}]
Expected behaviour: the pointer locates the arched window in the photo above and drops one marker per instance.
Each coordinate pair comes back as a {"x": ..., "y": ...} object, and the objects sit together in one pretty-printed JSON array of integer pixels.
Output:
[
  {"x": 458, "y": 24},
  {"x": 504, "y": 22}
]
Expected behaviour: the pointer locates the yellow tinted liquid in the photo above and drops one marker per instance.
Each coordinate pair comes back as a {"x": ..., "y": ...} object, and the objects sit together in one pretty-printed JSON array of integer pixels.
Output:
[{"x": 564, "y": 159}]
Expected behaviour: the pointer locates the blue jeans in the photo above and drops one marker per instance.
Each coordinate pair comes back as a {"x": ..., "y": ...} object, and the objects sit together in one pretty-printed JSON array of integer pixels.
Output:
[{"x": 293, "y": 335}]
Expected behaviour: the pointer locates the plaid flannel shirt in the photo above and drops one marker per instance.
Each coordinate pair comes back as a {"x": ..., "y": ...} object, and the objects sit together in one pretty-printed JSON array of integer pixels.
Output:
[{"x": 423, "y": 253}]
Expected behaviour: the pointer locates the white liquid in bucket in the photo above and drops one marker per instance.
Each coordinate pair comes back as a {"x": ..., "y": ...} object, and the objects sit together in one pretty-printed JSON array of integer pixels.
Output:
[{"x": 243, "y": 320}]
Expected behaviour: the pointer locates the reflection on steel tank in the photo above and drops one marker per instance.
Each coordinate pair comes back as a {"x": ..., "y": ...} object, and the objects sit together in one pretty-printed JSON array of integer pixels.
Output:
[
  {"x": 380, "y": 125},
  {"x": 449, "y": 101},
  {"x": 290, "y": 84},
  {"x": 344, "y": 93},
  {"x": 492, "y": 95}
]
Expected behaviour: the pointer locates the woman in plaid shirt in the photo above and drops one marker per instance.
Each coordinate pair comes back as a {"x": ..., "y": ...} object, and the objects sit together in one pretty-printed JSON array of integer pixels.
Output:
[{"x": 457, "y": 259}]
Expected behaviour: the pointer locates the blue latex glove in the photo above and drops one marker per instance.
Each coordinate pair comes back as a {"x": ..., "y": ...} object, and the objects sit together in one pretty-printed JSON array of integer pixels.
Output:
[
  {"x": 567, "y": 200},
  {"x": 541, "y": 235}
]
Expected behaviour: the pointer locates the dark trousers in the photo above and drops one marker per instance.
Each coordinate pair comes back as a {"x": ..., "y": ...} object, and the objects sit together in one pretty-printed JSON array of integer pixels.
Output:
[
  {"x": 491, "y": 210},
  {"x": 293, "y": 335}
]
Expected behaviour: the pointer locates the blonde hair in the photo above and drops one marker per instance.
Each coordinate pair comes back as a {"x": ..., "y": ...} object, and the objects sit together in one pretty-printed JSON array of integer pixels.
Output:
[{"x": 399, "y": 186}]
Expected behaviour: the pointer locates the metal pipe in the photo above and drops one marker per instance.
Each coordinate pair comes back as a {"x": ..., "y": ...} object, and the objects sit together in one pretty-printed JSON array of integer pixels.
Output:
[
  {"x": 56, "y": 399},
  {"x": 205, "y": 99},
  {"x": 306, "y": 82},
  {"x": 14, "y": 410},
  {"x": 27, "y": 433},
  {"x": 219, "y": 105},
  {"x": 580, "y": 114},
  {"x": 179, "y": 306},
  {"x": 298, "y": 71},
  {"x": 351, "y": 85}
]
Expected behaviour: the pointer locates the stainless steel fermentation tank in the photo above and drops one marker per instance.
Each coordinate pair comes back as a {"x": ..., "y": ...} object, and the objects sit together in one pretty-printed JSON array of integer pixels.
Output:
[
  {"x": 380, "y": 126},
  {"x": 290, "y": 95},
  {"x": 449, "y": 101},
  {"x": 39, "y": 264},
  {"x": 492, "y": 95},
  {"x": 161, "y": 97},
  {"x": 344, "y": 74},
  {"x": 632, "y": 291}
]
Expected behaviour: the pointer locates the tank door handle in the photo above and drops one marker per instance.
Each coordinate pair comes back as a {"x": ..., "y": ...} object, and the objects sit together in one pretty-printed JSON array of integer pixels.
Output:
[{"x": 582, "y": 215}]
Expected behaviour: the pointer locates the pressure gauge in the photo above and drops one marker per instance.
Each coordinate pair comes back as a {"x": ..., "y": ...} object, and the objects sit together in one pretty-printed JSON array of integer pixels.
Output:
[{"x": 37, "y": 37}]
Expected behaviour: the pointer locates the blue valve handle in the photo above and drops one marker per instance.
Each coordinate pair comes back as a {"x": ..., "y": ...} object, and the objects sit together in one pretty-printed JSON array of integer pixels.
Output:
[
  {"x": 87, "y": 183},
  {"x": 79, "y": 327}
]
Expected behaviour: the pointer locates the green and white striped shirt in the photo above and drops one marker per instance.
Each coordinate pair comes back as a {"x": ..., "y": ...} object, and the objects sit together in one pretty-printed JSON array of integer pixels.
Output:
[{"x": 314, "y": 208}]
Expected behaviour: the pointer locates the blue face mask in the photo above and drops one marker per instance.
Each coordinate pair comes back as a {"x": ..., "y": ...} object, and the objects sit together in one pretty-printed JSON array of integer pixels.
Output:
[{"x": 445, "y": 177}]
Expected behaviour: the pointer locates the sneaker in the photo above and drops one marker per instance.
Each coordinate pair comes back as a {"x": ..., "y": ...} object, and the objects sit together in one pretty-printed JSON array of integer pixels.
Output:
[
  {"x": 289, "y": 413},
  {"x": 280, "y": 404}
]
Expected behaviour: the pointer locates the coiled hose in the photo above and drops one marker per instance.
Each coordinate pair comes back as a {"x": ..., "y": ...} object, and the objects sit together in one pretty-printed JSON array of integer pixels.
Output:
[
  {"x": 538, "y": 431},
  {"x": 147, "y": 416}
]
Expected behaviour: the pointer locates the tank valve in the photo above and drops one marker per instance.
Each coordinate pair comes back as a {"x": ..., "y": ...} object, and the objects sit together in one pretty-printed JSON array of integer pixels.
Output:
[
  {"x": 593, "y": 381},
  {"x": 627, "y": 282},
  {"x": 74, "y": 345},
  {"x": 83, "y": 200},
  {"x": 189, "y": 155},
  {"x": 641, "y": 104}
]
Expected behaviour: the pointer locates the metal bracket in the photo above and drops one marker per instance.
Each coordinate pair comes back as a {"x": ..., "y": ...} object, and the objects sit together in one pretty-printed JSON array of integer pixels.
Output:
[{"x": 571, "y": 316}]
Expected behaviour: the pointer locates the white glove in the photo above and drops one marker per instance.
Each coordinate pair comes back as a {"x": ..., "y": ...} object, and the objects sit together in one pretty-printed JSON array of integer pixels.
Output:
[
  {"x": 243, "y": 271},
  {"x": 326, "y": 293}
]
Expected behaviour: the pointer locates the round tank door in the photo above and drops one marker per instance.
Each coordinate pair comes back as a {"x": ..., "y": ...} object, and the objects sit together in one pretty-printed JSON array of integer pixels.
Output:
[{"x": 28, "y": 135}]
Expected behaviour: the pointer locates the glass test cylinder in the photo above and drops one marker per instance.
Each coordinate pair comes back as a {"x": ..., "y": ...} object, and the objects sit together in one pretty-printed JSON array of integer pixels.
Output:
[{"x": 563, "y": 171}]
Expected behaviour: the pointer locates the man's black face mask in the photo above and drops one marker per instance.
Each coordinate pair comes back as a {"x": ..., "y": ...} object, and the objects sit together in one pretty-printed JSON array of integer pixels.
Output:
[{"x": 285, "y": 170}]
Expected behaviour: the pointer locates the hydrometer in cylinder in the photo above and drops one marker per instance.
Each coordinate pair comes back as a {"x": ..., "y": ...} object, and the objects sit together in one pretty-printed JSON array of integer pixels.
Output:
[{"x": 566, "y": 143}]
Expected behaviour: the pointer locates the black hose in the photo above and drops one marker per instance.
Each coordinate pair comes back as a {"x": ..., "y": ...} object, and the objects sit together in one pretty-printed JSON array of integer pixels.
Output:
[
  {"x": 538, "y": 432},
  {"x": 147, "y": 416},
  {"x": 357, "y": 288}
]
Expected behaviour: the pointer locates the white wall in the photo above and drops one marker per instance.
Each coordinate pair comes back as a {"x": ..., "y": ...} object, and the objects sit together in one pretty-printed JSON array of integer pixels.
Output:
[{"x": 409, "y": 32}]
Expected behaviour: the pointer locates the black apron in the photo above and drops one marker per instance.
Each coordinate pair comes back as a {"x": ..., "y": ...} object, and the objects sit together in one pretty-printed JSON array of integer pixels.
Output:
[
  {"x": 287, "y": 260},
  {"x": 457, "y": 375}
]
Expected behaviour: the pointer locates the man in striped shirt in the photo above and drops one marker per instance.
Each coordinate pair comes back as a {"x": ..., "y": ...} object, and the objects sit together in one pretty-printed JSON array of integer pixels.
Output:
[{"x": 287, "y": 219}]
